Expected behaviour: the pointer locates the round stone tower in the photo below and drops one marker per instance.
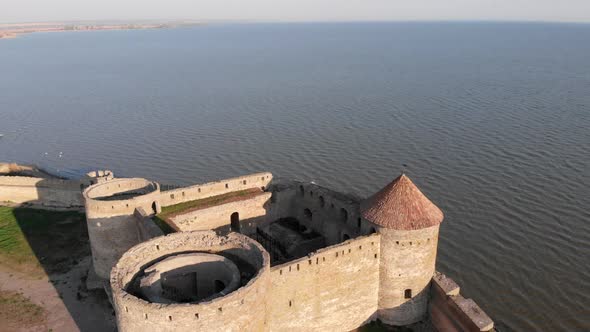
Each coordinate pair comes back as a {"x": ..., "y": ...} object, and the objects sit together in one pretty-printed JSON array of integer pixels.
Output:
[
  {"x": 408, "y": 223},
  {"x": 109, "y": 209}
]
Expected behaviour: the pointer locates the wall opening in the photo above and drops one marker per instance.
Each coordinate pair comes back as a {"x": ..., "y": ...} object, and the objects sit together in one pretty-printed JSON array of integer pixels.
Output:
[
  {"x": 307, "y": 213},
  {"x": 343, "y": 215},
  {"x": 345, "y": 237},
  {"x": 301, "y": 191},
  {"x": 322, "y": 201},
  {"x": 155, "y": 208},
  {"x": 235, "y": 222},
  {"x": 373, "y": 230},
  {"x": 358, "y": 223},
  {"x": 408, "y": 294},
  {"x": 219, "y": 286}
]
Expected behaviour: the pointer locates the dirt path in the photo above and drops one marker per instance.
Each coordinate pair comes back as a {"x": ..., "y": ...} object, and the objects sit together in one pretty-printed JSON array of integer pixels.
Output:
[{"x": 69, "y": 306}]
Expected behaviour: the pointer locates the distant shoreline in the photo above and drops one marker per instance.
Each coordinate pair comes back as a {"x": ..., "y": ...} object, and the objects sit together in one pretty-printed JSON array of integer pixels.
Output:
[{"x": 9, "y": 31}]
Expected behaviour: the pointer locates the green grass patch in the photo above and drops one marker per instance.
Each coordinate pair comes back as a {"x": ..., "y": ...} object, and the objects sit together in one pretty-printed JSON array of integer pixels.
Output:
[
  {"x": 206, "y": 202},
  {"x": 169, "y": 211},
  {"x": 30, "y": 237},
  {"x": 18, "y": 311}
]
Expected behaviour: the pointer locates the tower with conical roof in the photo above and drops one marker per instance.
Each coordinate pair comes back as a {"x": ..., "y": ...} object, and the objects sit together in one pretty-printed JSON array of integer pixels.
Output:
[{"x": 408, "y": 223}]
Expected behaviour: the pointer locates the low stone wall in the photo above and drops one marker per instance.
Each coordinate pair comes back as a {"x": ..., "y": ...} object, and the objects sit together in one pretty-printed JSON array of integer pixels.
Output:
[
  {"x": 451, "y": 312},
  {"x": 186, "y": 194},
  {"x": 333, "y": 289},
  {"x": 241, "y": 310},
  {"x": 54, "y": 193},
  {"x": 249, "y": 213}
]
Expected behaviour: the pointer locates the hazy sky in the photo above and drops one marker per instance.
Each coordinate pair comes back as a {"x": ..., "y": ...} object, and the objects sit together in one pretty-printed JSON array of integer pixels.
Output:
[{"x": 296, "y": 10}]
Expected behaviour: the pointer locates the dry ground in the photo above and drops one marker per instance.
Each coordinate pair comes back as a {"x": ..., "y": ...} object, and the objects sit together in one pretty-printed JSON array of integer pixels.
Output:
[{"x": 44, "y": 259}]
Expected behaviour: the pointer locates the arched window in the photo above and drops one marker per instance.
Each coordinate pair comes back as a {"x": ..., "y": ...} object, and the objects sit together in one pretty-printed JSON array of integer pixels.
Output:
[
  {"x": 235, "y": 222},
  {"x": 343, "y": 215},
  {"x": 307, "y": 213},
  {"x": 408, "y": 294},
  {"x": 155, "y": 207},
  {"x": 322, "y": 201},
  {"x": 358, "y": 223},
  {"x": 301, "y": 191}
]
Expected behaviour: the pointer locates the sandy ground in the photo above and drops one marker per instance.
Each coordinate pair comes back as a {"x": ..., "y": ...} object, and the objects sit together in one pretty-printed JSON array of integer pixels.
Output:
[{"x": 67, "y": 302}]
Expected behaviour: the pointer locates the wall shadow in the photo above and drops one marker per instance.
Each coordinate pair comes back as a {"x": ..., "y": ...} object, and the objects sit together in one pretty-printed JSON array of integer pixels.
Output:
[{"x": 60, "y": 244}]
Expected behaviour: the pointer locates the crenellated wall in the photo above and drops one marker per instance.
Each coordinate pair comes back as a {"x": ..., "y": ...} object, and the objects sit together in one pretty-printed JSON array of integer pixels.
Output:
[
  {"x": 242, "y": 310},
  {"x": 451, "y": 312},
  {"x": 333, "y": 289},
  {"x": 200, "y": 191}
]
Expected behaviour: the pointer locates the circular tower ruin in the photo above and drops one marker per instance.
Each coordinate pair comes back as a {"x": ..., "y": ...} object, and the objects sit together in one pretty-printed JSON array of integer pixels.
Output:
[
  {"x": 408, "y": 223},
  {"x": 109, "y": 213},
  {"x": 197, "y": 281}
]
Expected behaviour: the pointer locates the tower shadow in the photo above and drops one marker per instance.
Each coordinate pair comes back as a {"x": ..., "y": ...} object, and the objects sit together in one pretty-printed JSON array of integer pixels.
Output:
[{"x": 60, "y": 249}]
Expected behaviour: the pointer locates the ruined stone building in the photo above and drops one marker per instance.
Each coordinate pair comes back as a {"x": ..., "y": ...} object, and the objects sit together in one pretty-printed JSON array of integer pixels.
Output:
[{"x": 249, "y": 254}]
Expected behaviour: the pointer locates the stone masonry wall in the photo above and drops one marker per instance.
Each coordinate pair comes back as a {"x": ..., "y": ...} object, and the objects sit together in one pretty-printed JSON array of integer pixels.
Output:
[
  {"x": 56, "y": 193},
  {"x": 181, "y": 195},
  {"x": 332, "y": 214},
  {"x": 112, "y": 226},
  {"x": 242, "y": 310},
  {"x": 451, "y": 312},
  {"x": 250, "y": 212},
  {"x": 407, "y": 264},
  {"x": 333, "y": 289}
]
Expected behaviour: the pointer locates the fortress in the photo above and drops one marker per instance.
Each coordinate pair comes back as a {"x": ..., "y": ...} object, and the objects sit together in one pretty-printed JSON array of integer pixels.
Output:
[{"x": 249, "y": 254}]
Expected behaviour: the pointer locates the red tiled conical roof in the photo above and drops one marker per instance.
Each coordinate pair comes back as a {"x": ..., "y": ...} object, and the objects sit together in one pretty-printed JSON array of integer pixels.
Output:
[{"x": 401, "y": 205}]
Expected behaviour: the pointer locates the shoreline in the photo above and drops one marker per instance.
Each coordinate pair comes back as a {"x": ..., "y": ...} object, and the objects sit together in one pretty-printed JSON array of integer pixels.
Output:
[{"x": 11, "y": 31}]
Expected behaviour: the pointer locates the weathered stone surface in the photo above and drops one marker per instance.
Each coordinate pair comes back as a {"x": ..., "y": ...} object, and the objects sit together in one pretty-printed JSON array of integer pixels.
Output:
[{"x": 448, "y": 285}]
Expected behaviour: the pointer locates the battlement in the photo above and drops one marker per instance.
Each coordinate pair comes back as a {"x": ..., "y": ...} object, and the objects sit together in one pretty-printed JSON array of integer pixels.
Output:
[
  {"x": 240, "y": 310},
  {"x": 216, "y": 188},
  {"x": 338, "y": 262},
  {"x": 450, "y": 311}
]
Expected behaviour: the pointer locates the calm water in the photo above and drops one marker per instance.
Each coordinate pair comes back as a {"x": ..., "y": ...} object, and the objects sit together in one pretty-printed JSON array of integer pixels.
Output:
[{"x": 492, "y": 121}]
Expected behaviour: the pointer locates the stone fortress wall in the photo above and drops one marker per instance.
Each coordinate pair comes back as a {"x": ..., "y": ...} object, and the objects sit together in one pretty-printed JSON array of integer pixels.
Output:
[
  {"x": 340, "y": 286},
  {"x": 332, "y": 289},
  {"x": 450, "y": 311},
  {"x": 26, "y": 185},
  {"x": 55, "y": 193},
  {"x": 241, "y": 310},
  {"x": 200, "y": 191}
]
